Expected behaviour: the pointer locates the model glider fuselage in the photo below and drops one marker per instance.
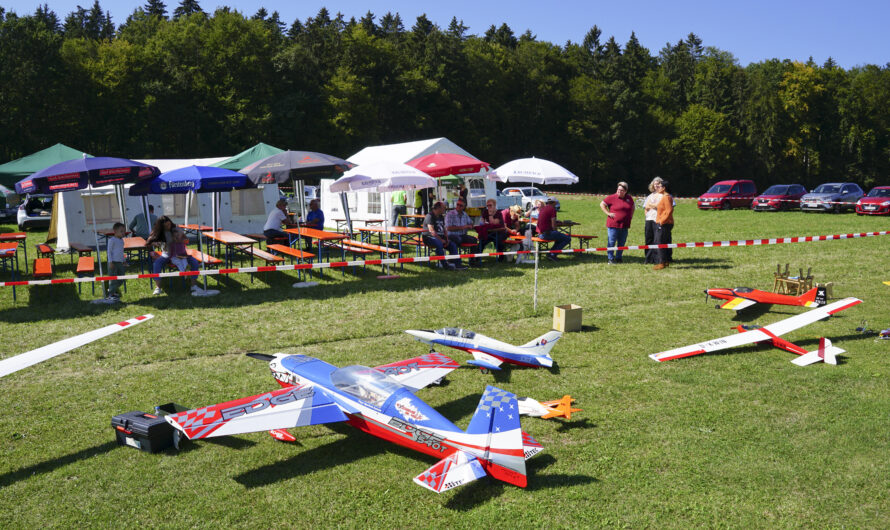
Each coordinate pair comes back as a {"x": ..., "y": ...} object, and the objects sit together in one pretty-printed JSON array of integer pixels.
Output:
[
  {"x": 381, "y": 402},
  {"x": 742, "y": 297},
  {"x": 488, "y": 352}
]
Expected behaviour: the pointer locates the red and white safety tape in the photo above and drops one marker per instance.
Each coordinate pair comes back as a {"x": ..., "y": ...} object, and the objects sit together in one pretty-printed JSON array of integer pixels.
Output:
[{"x": 424, "y": 259}]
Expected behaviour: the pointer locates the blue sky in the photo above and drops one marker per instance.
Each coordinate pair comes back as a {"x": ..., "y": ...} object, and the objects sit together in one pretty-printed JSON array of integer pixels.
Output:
[{"x": 853, "y": 33}]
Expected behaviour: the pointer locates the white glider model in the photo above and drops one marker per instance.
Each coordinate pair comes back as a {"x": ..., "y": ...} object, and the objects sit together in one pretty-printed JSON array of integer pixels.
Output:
[
  {"x": 770, "y": 334},
  {"x": 489, "y": 353},
  {"x": 24, "y": 360}
]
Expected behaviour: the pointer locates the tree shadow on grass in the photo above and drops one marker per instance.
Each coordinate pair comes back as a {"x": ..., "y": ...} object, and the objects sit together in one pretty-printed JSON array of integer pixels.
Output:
[{"x": 7, "y": 479}]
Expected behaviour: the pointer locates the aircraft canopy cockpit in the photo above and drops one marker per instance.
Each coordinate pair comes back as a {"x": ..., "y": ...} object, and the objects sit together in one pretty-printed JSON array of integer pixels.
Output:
[
  {"x": 743, "y": 289},
  {"x": 367, "y": 384},
  {"x": 456, "y": 332}
]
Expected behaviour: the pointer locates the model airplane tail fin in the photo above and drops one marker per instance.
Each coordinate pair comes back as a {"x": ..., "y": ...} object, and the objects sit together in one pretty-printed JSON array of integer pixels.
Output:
[
  {"x": 815, "y": 297},
  {"x": 496, "y": 425},
  {"x": 826, "y": 353},
  {"x": 543, "y": 344},
  {"x": 455, "y": 470}
]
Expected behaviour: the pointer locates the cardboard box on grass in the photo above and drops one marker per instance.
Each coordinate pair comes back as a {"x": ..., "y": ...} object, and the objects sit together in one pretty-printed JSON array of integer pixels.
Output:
[{"x": 567, "y": 317}]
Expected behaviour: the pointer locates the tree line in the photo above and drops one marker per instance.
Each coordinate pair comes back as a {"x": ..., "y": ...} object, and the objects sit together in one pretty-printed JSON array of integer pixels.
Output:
[{"x": 192, "y": 84}]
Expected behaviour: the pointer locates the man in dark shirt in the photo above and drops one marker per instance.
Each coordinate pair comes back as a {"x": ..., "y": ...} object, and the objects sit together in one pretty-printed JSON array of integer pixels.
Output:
[
  {"x": 435, "y": 235},
  {"x": 547, "y": 229}
]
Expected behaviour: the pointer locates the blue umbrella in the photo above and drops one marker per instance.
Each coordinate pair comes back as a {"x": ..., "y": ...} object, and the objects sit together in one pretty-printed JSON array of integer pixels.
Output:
[
  {"x": 200, "y": 179},
  {"x": 85, "y": 172}
]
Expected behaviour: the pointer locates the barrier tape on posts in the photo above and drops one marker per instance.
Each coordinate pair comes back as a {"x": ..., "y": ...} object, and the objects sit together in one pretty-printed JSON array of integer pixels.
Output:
[{"x": 426, "y": 259}]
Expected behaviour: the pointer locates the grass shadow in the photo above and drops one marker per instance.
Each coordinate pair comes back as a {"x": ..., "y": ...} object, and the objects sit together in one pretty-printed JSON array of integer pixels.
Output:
[
  {"x": 7, "y": 479},
  {"x": 565, "y": 426}
]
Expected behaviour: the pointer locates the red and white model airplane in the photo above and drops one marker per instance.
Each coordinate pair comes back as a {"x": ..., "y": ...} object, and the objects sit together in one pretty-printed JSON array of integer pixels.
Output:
[
  {"x": 770, "y": 335},
  {"x": 380, "y": 401},
  {"x": 742, "y": 297}
]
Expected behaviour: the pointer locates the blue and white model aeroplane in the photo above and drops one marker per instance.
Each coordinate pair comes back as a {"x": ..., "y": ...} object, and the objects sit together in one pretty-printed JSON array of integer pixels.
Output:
[
  {"x": 380, "y": 401},
  {"x": 489, "y": 353}
]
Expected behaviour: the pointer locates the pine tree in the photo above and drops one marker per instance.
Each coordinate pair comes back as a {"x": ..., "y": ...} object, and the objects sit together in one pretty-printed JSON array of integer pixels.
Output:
[
  {"x": 261, "y": 14},
  {"x": 367, "y": 23},
  {"x": 155, "y": 8},
  {"x": 186, "y": 8},
  {"x": 457, "y": 29}
]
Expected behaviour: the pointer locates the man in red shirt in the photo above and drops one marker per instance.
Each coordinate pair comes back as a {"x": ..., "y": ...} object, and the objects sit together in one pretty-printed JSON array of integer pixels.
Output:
[
  {"x": 547, "y": 229},
  {"x": 619, "y": 210}
]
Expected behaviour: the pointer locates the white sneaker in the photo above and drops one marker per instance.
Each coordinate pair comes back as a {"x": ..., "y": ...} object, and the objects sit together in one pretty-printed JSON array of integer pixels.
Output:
[
  {"x": 157, "y": 291},
  {"x": 197, "y": 291}
]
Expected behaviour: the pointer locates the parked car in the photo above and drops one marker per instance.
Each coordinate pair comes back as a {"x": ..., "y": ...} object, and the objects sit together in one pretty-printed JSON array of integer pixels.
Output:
[
  {"x": 831, "y": 197},
  {"x": 8, "y": 212},
  {"x": 877, "y": 202},
  {"x": 728, "y": 194},
  {"x": 35, "y": 211},
  {"x": 779, "y": 197},
  {"x": 529, "y": 194}
]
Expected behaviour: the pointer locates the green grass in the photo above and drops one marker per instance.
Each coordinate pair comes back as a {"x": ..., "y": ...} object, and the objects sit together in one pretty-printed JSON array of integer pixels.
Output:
[{"x": 739, "y": 439}]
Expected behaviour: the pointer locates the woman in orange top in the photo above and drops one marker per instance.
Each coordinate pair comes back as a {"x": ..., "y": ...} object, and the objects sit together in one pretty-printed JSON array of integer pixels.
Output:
[{"x": 664, "y": 223}]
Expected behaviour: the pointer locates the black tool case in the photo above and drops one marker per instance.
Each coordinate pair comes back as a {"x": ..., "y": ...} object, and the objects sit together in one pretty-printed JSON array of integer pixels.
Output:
[{"x": 146, "y": 432}]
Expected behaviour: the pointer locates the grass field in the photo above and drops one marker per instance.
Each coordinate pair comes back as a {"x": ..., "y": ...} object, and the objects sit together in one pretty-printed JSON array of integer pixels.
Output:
[{"x": 738, "y": 439}]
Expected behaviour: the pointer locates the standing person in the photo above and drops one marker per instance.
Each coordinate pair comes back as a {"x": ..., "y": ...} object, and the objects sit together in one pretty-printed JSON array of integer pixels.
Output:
[
  {"x": 116, "y": 262},
  {"x": 139, "y": 226},
  {"x": 464, "y": 192},
  {"x": 547, "y": 228},
  {"x": 650, "y": 206},
  {"x": 619, "y": 210},
  {"x": 457, "y": 222},
  {"x": 399, "y": 201},
  {"x": 664, "y": 224},
  {"x": 435, "y": 235}
]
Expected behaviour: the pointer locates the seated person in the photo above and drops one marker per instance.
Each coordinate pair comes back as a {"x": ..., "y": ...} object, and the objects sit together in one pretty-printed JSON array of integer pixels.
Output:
[
  {"x": 179, "y": 255},
  {"x": 492, "y": 229},
  {"x": 277, "y": 217},
  {"x": 139, "y": 226},
  {"x": 435, "y": 235},
  {"x": 547, "y": 229},
  {"x": 534, "y": 209},
  {"x": 457, "y": 222},
  {"x": 314, "y": 219},
  {"x": 511, "y": 217},
  {"x": 171, "y": 239}
]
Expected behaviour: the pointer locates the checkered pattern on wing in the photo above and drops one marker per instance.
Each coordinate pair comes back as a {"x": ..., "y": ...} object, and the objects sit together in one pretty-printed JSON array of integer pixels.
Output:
[
  {"x": 191, "y": 418},
  {"x": 437, "y": 360},
  {"x": 494, "y": 398},
  {"x": 434, "y": 476},
  {"x": 528, "y": 441}
]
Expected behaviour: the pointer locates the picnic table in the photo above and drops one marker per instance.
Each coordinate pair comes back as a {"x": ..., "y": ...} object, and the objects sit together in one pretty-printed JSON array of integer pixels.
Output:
[
  {"x": 9, "y": 253},
  {"x": 320, "y": 235},
  {"x": 233, "y": 242},
  {"x": 406, "y": 216},
  {"x": 16, "y": 236},
  {"x": 398, "y": 231},
  {"x": 139, "y": 246},
  {"x": 342, "y": 225}
]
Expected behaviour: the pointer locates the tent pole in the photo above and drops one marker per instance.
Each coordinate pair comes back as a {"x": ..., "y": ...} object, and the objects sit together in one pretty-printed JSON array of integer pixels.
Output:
[
  {"x": 96, "y": 233},
  {"x": 535, "y": 296}
]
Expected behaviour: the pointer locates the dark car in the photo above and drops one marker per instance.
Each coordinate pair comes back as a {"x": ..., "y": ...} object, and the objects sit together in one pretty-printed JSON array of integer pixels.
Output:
[
  {"x": 877, "y": 202},
  {"x": 832, "y": 197},
  {"x": 779, "y": 197},
  {"x": 728, "y": 194}
]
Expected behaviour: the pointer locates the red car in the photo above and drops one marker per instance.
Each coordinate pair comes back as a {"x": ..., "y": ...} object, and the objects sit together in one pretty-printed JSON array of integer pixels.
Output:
[
  {"x": 877, "y": 202},
  {"x": 728, "y": 194},
  {"x": 779, "y": 197}
]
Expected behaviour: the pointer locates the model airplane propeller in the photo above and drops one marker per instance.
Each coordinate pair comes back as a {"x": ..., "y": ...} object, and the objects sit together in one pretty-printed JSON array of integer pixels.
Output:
[
  {"x": 770, "y": 334},
  {"x": 380, "y": 401},
  {"x": 742, "y": 297},
  {"x": 488, "y": 353}
]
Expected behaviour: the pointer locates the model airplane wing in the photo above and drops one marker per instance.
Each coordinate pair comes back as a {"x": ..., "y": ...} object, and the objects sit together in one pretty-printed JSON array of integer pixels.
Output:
[
  {"x": 484, "y": 360},
  {"x": 738, "y": 303},
  {"x": 757, "y": 335},
  {"x": 293, "y": 406},
  {"x": 455, "y": 470},
  {"x": 420, "y": 372}
]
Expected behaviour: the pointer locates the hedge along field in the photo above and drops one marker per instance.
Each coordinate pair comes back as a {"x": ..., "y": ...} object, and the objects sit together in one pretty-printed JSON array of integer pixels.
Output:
[{"x": 739, "y": 438}]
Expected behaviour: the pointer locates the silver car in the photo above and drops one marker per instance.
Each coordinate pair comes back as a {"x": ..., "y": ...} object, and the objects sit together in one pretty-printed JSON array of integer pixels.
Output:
[
  {"x": 832, "y": 197},
  {"x": 35, "y": 211},
  {"x": 529, "y": 194}
]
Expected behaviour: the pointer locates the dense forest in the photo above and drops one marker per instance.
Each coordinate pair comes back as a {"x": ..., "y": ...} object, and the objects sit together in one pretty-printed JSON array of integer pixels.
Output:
[{"x": 187, "y": 84}]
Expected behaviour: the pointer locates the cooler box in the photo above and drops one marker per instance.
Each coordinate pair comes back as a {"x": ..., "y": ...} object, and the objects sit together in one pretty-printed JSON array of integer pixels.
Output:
[
  {"x": 567, "y": 317},
  {"x": 146, "y": 432}
]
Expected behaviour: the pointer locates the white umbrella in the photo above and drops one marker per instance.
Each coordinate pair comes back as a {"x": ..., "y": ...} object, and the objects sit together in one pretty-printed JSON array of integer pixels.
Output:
[{"x": 534, "y": 171}]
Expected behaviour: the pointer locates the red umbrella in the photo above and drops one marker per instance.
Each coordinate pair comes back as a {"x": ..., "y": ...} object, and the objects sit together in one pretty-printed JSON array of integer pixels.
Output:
[{"x": 444, "y": 164}]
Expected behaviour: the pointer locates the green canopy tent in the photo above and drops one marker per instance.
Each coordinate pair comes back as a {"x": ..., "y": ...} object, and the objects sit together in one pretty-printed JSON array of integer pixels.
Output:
[
  {"x": 245, "y": 158},
  {"x": 16, "y": 170}
]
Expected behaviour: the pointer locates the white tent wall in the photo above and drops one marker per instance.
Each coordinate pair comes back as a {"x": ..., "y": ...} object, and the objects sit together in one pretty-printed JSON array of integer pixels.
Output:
[{"x": 363, "y": 206}]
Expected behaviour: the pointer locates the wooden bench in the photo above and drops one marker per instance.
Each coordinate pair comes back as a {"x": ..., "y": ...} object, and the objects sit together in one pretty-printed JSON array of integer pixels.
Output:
[
  {"x": 260, "y": 254},
  {"x": 43, "y": 268},
  {"x": 583, "y": 241},
  {"x": 46, "y": 251},
  {"x": 290, "y": 251},
  {"x": 388, "y": 251},
  {"x": 86, "y": 266},
  {"x": 262, "y": 239},
  {"x": 81, "y": 250},
  {"x": 206, "y": 259}
]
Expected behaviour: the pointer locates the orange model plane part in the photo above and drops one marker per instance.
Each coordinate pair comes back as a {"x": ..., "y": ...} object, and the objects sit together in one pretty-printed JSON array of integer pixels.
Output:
[
  {"x": 560, "y": 408},
  {"x": 742, "y": 297}
]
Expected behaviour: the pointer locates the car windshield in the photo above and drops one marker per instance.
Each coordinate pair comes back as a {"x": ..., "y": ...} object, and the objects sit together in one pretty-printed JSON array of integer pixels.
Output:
[
  {"x": 367, "y": 384},
  {"x": 776, "y": 190},
  {"x": 719, "y": 188},
  {"x": 828, "y": 188},
  {"x": 534, "y": 192},
  {"x": 879, "y": 192}
]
